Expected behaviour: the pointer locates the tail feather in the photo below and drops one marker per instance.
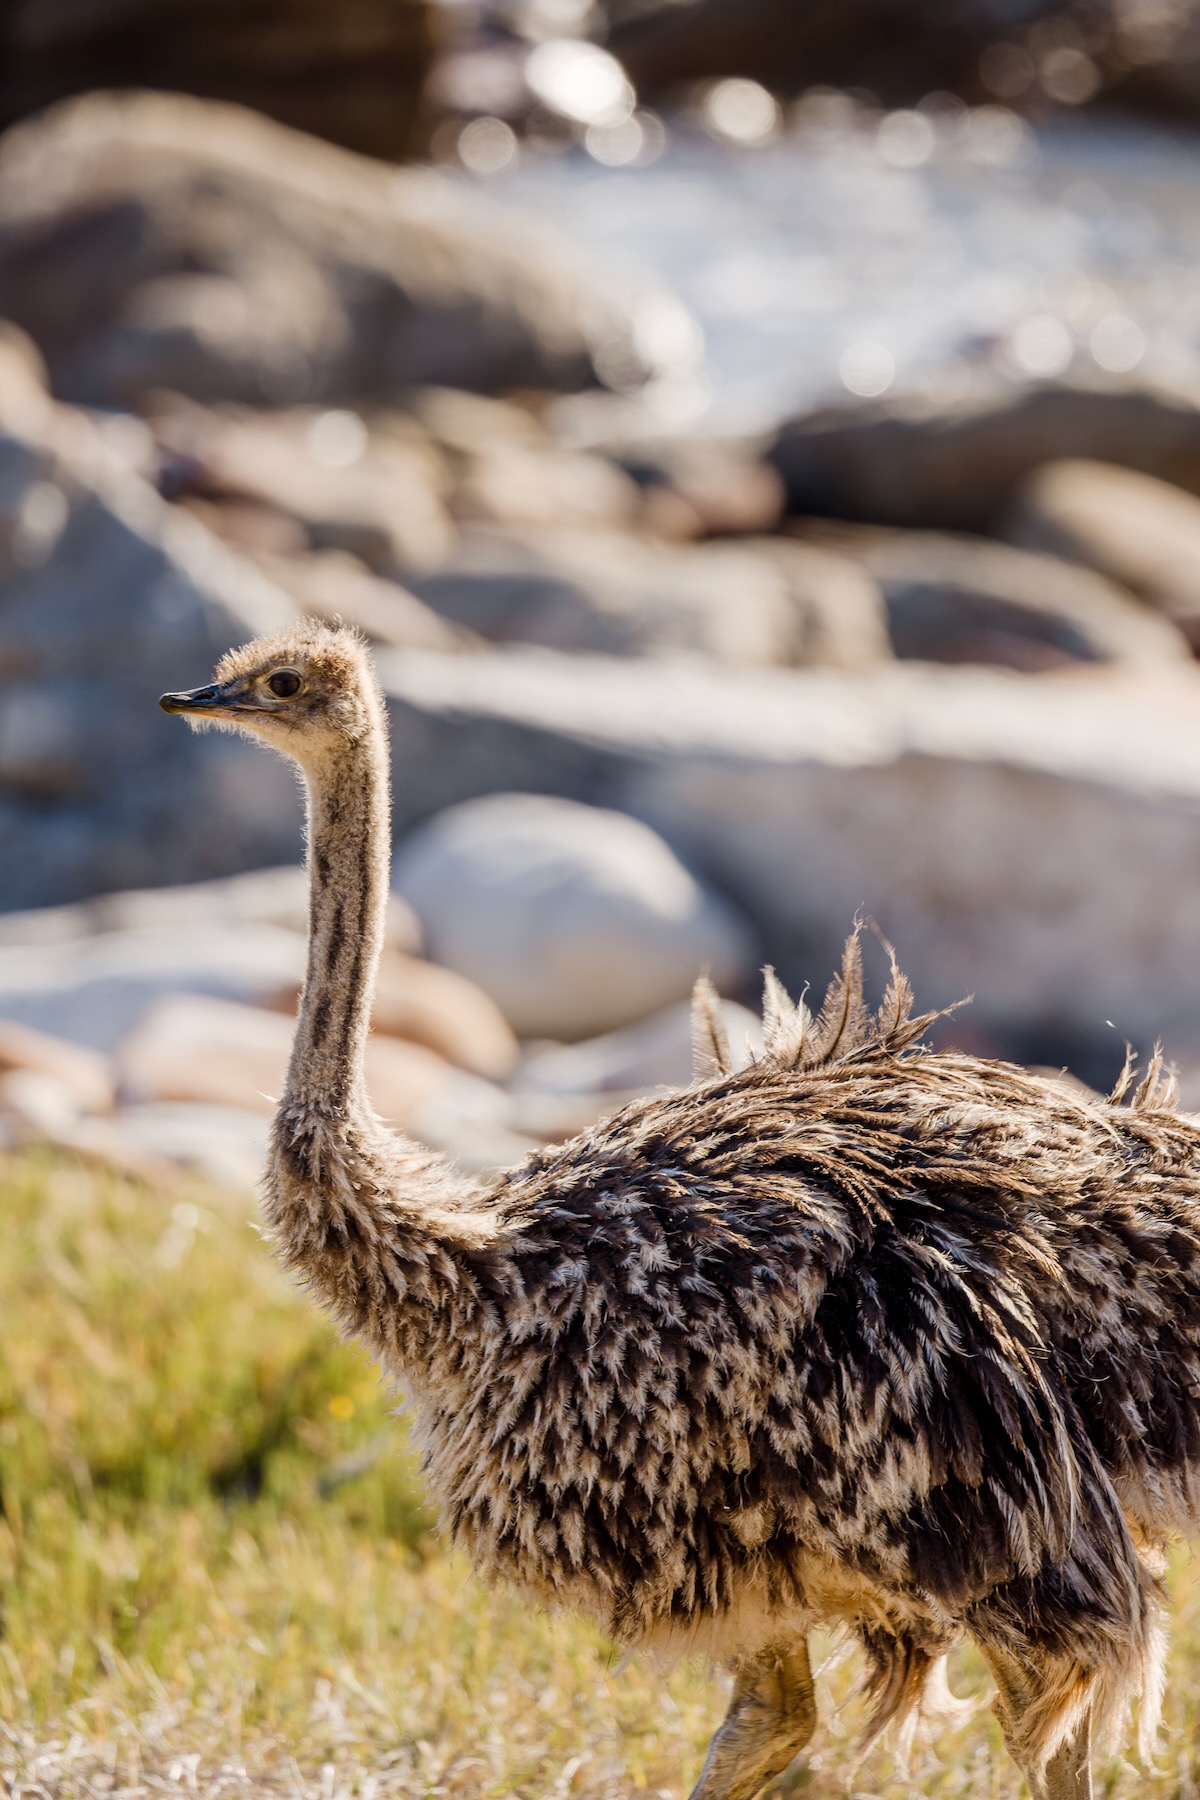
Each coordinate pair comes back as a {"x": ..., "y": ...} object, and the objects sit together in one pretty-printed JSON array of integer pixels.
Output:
[
  {"x": 1156, "y": 1091},
  {"x": 710, "y": 1040},
  {"x": 845, "y": 1025}
]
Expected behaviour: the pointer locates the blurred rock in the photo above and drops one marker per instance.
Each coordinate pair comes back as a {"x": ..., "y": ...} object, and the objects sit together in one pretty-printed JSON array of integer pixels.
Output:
[
  {"x": 426, "y": 1004},
  {"x": 472, "y": 1121},
  {"x": 575, "y": 920},
  {"x": 1032, "y": 843},
  {"x": 36, "y": 1106},
  {"x": 190, "y": 1047},
  {"x": 1026, "y": 55},
  {"x": 334, "y": 586},
  {"x": 86, "y": 1077},
  {"x": 227, "y": 1144},
  {"x": 512, "y": 485},
  {"x": 437, "y": 1007},
  {"x": 25, "y": 405},
  {"x": 353, "y": 74},
  {"x": 962, "y": 600},
  {"x": 953, "y": 458},
  {"x": 219, "y": 1053},
  {"x": 96, "y": 990},
  {"x": 107, "y": 598},
  {"x": 705, "y": 487},
  {"x": 505, "y": 468},
  {"x": 326, "y": 584},
  {"x": 653, "y": 1053},
  {"x": 754, "y": 601},
  {"x": 193, "y": 1059},
  {"x": 900, "y": 50},
  {"x": 838, "y": 615},
  {"x": 462, "y": 422},
  {"x": 154, "y": 241},
  {"x": 1149, "y": 55},
  {"x": 248, "y": 526},
  {"x": 276, "y": 897},
  {"x": 370, "y": 494},
  {"x": 1133, "y": 528},
  {"x": 561, "y": 1089}
]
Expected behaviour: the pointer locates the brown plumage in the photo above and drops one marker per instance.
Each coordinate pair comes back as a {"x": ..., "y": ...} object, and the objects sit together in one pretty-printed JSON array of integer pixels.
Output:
[{"x": 865, "y": 1333}]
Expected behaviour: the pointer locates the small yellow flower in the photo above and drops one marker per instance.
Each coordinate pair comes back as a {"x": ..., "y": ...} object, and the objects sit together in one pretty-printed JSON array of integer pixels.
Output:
[{"x": 342, "y": 1406}]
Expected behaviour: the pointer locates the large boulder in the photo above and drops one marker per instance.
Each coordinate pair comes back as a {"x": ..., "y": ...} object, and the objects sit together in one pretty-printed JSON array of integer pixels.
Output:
[
  {"x": 653, "y": 1053},
  {"x": 108, "y": 598},
  {"x": 952, "y": 458},
  {"x": 1034, "y": 843},
  {"x": 373, "y": 493},
  {"x": 1026, "y": 54},
  {"x": 335, "y": 586},
  {"x": 751, "y": 601},
  {"x": 95, "y": 990},
  {"x": 899, "y": 49},
  {"x": 574, "y": 919},
  {"x": 273, "y": 897},
  {"x": 353, "y": 72},
  {"x": 1133, "y": 528},
  {"x": 216, "y": 1052},
  {"x": 961, "y": 599},
  {"x": 153, "y": 241}
]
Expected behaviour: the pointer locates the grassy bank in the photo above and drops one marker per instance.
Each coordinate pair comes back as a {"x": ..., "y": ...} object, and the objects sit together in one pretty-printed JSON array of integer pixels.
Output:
[{"x": 217, "y": 1575}]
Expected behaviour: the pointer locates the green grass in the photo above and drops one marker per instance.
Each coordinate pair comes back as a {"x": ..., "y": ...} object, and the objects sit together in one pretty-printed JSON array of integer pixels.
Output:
[{"x": 217, "y": 1575}]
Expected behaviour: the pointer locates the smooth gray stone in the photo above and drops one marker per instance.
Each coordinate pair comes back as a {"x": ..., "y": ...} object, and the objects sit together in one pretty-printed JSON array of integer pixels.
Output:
[{"x": 1033, "y": 842}]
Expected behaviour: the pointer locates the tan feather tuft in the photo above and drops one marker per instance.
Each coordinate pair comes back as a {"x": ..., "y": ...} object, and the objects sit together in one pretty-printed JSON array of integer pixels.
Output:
[
  {"x": 785, "y": 1023},
  {"x": 710, "y": 1040}
]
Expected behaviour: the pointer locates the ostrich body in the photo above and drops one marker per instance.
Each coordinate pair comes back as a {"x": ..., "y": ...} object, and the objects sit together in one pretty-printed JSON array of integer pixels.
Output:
[{"x": 864, "y": 1334}]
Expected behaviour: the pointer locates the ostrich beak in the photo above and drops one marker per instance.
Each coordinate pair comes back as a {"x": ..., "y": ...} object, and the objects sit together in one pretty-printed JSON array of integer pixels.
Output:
[{"x": 200, "y": 700}]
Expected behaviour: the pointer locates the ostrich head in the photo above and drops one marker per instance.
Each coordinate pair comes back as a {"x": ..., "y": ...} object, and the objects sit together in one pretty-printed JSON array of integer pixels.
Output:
[{"x": 308, "y": 693}]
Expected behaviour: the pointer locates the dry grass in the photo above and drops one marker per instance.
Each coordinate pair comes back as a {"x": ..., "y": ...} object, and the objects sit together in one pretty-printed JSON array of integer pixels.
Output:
[{"x": 216, "y": 1575}]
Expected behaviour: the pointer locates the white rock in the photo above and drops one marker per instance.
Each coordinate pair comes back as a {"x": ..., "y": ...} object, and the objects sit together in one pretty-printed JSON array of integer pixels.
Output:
[
  {"x": 656, "y": 1052},
  {"x": 259, "y": 897},
  {"x": 574, "y": 919},
  {"x": 87, "y": 1076},
  {"x": 430, "y": 1005},
  {"x": 226, "y": 1143},
  {"x": 744, "y": 601},
  {"x": 1033, "y": 842},
  {"x": 190, "y": 1048},
  {"x": 38, "y": 1108},
  {"x": 1131, "y": 527},
  {"x": 39, "y": 1104},
  {"x": 95, "y": 990}
]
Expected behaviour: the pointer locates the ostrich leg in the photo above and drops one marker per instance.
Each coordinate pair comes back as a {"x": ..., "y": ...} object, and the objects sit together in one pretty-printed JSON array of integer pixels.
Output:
[
  {"x": 770, "y": 1719},
  {"x": 1068, "y": 1774}
]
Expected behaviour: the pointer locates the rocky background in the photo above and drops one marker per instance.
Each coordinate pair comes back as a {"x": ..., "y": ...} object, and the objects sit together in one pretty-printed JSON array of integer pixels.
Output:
[{"x": 663, "y": 697}]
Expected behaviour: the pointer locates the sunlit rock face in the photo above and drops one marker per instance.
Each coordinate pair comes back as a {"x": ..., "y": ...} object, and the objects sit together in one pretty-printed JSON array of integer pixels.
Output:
[
  {"x": 351, "y": 72},
  {"x": 955, "y": 455},
  {"x": 1030, "y": 842},
  {"x": 1135, "y": 529},
  {"x": 107, "y": 599},
  {"x": 152, "y": 241}
]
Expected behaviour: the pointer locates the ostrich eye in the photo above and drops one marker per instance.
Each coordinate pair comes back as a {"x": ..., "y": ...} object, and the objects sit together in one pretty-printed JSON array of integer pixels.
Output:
[{"x": 284, "y": 684}]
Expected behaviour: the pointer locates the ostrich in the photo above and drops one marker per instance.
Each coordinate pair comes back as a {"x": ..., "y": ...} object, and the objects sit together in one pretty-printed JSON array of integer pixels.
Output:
[{"x": 866, "y": 1334}]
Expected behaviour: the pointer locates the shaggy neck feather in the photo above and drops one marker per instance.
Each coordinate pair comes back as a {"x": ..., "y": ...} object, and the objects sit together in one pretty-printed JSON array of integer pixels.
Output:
[{"x": 348, "y": 874}]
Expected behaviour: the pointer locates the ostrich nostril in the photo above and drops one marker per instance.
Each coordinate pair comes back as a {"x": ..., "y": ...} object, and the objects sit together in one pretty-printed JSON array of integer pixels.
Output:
[{"x": 208, "y": 693}]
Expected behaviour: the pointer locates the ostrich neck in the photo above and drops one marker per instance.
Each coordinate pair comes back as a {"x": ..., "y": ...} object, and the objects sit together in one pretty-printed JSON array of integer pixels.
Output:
[
  {"x": 349, "y": 843},
  {"x": 378, "y": 1228}
]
